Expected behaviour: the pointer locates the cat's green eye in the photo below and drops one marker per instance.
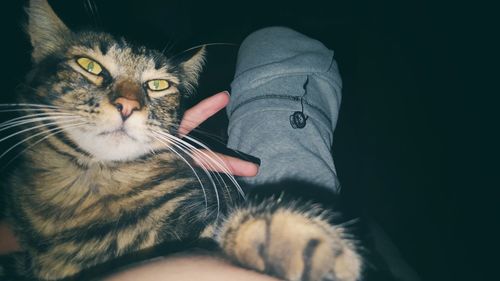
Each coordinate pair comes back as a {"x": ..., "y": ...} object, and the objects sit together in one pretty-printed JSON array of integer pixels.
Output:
[
  {"x": 158, "y": 84},
  {"x": 89, "y": 65}
]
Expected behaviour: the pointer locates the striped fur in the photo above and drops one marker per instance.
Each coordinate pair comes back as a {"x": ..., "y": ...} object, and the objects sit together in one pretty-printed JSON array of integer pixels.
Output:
[{"x": 93, "y": 186}]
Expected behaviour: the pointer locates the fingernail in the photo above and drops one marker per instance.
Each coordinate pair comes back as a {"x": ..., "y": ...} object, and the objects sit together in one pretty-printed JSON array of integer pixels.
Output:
[{"x": 256, "y": 167}]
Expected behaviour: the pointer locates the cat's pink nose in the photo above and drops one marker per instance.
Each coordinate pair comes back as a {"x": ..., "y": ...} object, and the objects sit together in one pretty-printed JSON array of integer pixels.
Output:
[{"x": 126, "y": 106}]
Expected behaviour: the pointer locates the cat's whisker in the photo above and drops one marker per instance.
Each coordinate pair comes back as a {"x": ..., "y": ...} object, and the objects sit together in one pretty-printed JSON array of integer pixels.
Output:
[
  {"x": 43, "y": 112},
  {"x": 217, "y": 161},
  {"x": 35, "y": 120},
  {"x": 212, "y": 136},
  {"x": 92, "y": 11},
  {"x": 198, "y": 156},
  {"x": 201, "y": 153},
  {"x": 36, "y": 127},
  {"x": 35, "y": 117},
  {"x": 206, "y": 171},
  {"x": 96, "y": 11},
  {"x": 171, "y": 146},
  {"x": 168, "y": 47},
  {"x": 24, "y": 110},
  {"x": 168, "y": 145},
  {"x": 184, "y": 147},
  {"x": 206, "y": 45},
  {"x": 50, "y": 133},
  {"x": 206, "y": 163},
  {"x": 29, "y": 104},
  {"x": 24, "y": 86}
]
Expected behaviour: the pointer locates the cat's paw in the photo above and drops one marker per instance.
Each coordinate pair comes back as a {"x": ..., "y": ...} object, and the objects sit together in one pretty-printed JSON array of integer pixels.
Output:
[{"x": 290, "y": 242}]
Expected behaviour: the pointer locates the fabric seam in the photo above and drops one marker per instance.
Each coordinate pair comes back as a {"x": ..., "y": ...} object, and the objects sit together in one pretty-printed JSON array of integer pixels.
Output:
[{"x": 281, "y": 97}]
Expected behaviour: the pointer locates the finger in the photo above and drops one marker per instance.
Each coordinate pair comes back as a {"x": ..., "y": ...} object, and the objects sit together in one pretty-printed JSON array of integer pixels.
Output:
[
  {"x": 202, "y": 111},
  {"x": 236, "y": 166},
  {"x": 8, "y": 243}
]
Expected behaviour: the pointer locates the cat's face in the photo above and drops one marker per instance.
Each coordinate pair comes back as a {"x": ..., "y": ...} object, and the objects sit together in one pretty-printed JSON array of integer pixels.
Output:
[{"x": 121, "y": 98}]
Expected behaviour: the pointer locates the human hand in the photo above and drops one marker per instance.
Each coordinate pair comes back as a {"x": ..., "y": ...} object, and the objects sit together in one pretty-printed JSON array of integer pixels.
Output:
[
  {"x": 8, "y": 241},
  {"x": 201, "y": 112}
]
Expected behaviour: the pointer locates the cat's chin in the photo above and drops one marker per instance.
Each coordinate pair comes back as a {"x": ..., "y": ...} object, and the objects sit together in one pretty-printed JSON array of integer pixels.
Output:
[
  {"x": 117, "y": 147},
  {"x": 113, "y": 145}
]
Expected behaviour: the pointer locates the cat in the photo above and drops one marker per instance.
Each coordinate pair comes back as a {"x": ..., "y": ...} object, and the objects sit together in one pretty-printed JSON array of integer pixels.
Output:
[{"x": 104, "y": 176}]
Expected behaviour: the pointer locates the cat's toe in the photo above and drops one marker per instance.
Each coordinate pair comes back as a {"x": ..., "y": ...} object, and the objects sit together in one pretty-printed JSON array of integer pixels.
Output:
[{"x": 290, "y": 244}]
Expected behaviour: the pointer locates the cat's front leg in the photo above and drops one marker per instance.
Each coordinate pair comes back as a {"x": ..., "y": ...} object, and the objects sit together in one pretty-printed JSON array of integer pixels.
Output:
[{"x": 293, "y": 241}]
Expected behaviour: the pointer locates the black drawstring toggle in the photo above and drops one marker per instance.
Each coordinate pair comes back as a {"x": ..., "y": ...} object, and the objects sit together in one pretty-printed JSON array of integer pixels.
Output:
[{"x": 298, "y": 118}]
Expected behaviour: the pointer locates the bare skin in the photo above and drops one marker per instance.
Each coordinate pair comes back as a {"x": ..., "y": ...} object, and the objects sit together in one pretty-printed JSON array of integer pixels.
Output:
[
  {"x": 179, "y": 268},
  {"x": 197, "y": 114},
  {"x": 191, "y": 268},
  {"x": 8, "y": 242}
]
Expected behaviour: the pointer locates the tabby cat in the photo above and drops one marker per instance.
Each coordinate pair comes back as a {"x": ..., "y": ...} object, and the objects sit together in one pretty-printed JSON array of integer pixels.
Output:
[{"x": 104, "y": 176}]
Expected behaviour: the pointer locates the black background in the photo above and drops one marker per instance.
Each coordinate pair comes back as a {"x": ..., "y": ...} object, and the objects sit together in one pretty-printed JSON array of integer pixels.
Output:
[{"x": 401, "y": 146}]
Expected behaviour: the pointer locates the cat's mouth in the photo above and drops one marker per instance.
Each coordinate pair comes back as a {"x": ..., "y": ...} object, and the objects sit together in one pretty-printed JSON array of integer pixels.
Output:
[
  {"x": 115, "y": 143},
  {"x": 120, "y": 132}
]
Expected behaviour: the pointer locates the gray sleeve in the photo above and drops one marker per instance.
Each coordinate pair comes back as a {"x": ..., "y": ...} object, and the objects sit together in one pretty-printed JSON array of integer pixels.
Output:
[{"x": 280, "y": 71}]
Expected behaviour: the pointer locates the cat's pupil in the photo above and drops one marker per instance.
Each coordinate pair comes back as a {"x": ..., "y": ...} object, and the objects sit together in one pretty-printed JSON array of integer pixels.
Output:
[
  {"x": 90, "y": 66},
  {"x": 156, "y": 84}
]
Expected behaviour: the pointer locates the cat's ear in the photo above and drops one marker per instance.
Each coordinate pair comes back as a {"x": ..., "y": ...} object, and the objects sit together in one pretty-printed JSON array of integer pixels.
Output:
[
  {"x": 46, "y": 31},
  {"x": 193, "y": 66}
]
